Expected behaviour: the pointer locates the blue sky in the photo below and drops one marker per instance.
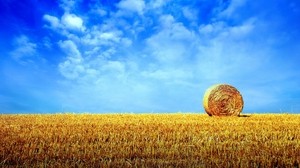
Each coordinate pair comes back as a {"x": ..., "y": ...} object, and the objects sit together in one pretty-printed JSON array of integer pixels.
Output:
[{"x": 147, "y": 55}]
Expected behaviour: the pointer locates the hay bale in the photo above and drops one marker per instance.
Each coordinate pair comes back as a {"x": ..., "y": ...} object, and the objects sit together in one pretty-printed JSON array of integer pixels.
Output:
[{"x": 223, "y": 100}]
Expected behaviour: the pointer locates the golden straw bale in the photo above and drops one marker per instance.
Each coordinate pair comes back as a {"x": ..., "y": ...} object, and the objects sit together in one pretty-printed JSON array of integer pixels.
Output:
[{"x": 223, "y": 100}]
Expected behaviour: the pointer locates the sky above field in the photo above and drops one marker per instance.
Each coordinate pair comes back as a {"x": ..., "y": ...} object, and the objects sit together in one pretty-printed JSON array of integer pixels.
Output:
[{"x": 147, "y": 55}]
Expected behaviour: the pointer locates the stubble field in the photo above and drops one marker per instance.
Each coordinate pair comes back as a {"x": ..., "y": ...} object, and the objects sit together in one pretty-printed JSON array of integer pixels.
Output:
[{"x": 149, "y": 140}]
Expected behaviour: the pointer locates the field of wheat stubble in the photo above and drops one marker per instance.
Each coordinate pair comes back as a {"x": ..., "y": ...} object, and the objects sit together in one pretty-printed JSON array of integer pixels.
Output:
[{"x": 149, "y": 140}]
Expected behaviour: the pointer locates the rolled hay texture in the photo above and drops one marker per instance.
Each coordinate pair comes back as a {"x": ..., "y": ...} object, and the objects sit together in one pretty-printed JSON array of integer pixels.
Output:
[{"x": 223, "y": 100}]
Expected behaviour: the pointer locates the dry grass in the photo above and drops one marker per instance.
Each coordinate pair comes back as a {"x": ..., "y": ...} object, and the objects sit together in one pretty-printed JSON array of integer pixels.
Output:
[
  {"x": 144, "y": 140},
  {"x": 223, "y": 100}
]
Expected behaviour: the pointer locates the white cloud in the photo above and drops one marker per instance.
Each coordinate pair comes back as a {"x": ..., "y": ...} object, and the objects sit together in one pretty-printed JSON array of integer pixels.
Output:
[
  {"x": 68, "y": 22},
  {"x": 73, "y": 66},
  {"x": 70, "y": 48},
  {"x": 166, "y": 20},
  {"x": 207, "y": 29},
  {"x": 227, "y": 53},
  {"x": 54, "y": 21},
  {"x": 72, "y": 22},
  {"x": 132, "y": 5},
  {"x": 67, "y": 5},
  {"x": 47, "y": 43},
  {"x": 91, "y": 64},
  {"x": 116, "y": 68},
  {"x": 243, "y": 30},
  {"x": 189, "y": 13},
  {"x": 24, "y": 50},
  {"x": 98, "y": 38},
  {"x": 221, "y": 30},
  {"x": 89, "y": 53},
  {"x": 169, "y": 45},
  {"x": 157, "y": 3},
  {"x": 170, "y": 48},
  {"x": 233, "y": 6},
  {"x": 99, "y": 11}
]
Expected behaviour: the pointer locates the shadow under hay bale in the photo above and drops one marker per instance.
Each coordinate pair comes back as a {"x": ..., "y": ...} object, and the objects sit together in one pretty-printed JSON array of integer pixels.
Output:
[
  {"x": 244, "y": 115},
  {"x": 223, "y": 100}
]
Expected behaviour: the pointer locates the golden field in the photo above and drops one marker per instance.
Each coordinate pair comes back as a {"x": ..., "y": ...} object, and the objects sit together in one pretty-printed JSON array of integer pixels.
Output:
[{"x": 149, "y": 140}]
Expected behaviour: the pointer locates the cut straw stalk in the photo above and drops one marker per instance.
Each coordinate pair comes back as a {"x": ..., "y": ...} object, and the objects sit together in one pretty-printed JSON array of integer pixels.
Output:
[{"x": 223, "y": 100}]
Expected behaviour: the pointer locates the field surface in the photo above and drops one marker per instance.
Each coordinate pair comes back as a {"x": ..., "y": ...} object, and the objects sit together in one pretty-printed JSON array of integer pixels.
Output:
[{"x": 149, "y": 140}]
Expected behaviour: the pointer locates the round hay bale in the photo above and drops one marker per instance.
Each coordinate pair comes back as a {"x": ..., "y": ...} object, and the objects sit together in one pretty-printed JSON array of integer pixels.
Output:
[{"x": 223, "y": 100}]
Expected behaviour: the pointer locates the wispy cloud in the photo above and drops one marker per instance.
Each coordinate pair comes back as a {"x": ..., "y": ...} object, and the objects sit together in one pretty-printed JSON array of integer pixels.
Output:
[
  {"x": 73, "y": 22},
  {"x": 67, "y": 5},
  {"x": 72, "y": 67},
  {"x": 24, "y": 51},
  {"x": 132, "y": 5},
  {"x": 53, "y": 21},
  {"x": 232, "y": 7},
  {"x": 67, "y": 22}
]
